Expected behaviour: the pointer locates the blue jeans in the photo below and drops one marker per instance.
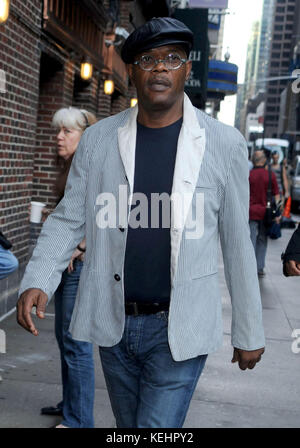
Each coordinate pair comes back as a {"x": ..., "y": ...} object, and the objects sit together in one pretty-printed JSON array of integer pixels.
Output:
[
  {"x": 77, "y": 362},
  {"x": 147, "y": 388},
  {"x": 259, "y": 238},
  {"x": 8, "y": 262}
]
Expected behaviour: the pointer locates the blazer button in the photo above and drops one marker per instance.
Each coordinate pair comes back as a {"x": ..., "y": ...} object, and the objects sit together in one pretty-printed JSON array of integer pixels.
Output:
[{"x": 117, "y": 277}]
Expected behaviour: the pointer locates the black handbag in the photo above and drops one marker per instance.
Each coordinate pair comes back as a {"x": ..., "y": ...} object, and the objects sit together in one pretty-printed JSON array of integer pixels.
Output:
[
  {"x": 4, "y": 242},
  {"x": 272, "y": 210},
  {"x": 274, "y": 232}
]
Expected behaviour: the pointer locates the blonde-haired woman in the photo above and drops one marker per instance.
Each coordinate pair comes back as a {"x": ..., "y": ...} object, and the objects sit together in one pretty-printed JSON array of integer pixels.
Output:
[{"x": 77, "y": 364}]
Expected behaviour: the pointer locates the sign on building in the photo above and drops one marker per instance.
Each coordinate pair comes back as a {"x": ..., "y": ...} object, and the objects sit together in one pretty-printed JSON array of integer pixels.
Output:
[
  {"x": 214, "y": 19},
  {"x": 197, "y": 21},
  {"x": 222, "y": 4}
]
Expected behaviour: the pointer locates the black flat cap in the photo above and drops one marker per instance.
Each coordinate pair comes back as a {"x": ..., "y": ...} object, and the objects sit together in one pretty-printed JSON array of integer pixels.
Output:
[{"x": 155, "y": 33}]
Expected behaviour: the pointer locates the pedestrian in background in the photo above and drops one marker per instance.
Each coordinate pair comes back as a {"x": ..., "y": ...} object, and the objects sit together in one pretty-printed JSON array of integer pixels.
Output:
[
  {"x": 279, "y": 169},
  {"x": 259, "y": 181},
  {"x": 77, "y": 364}
]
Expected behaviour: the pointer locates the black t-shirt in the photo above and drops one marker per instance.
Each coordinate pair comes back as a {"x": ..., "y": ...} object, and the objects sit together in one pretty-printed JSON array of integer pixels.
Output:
[{"x": 148, "y": 250}]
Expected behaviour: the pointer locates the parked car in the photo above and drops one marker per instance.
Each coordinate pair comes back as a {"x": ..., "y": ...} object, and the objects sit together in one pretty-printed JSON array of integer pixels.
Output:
[{"x": 295, "y": 183}]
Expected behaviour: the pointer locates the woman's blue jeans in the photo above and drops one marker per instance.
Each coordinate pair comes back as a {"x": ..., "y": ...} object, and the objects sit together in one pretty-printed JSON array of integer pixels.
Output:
[
  {"x": 77, "y": 363},
  {"x": 147, "y": 388},
  {"x": 8, "y": 262},
  {"x": 259, "y": 238}
]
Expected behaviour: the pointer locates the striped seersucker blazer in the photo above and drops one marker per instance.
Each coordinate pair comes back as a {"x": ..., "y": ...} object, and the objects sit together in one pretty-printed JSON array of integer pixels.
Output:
[{"x": 211, "y": 165}]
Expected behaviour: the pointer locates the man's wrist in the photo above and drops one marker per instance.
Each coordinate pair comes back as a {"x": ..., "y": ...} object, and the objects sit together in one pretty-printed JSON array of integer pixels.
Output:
[{"x": 80, "y": 248}]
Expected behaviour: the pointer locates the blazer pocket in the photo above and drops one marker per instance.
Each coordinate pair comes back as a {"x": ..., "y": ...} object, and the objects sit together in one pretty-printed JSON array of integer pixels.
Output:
[
  {"x": 206, "y": 187},
  {"x": 204, "y": 274},
  {"x": 211, "y": 199}
]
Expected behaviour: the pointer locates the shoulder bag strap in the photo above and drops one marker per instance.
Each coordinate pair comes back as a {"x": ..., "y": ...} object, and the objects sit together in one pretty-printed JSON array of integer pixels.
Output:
[{"x": 269, "y": 191}]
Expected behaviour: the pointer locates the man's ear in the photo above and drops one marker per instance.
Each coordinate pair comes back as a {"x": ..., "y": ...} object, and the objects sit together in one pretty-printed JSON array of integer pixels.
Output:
[{"x": 188, "y": 65}]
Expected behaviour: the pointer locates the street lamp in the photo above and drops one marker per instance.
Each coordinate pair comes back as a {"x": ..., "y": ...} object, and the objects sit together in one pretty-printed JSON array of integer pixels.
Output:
[
  {"x": 109, "y": 87},
  {"x": 133, "y": 102},
  {"x": 4, "y": 10},
  {"x": 86, "y": 71}
]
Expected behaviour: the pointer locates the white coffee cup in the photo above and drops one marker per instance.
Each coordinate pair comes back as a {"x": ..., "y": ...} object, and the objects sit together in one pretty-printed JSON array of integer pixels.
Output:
[{"x": 36, "y": 211}]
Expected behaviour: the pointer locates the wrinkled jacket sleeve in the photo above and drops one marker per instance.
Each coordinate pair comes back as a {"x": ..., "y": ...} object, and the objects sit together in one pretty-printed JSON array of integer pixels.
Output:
[
  {"x": 238, "y": 254},
  {"x": 62, "y": 231}
]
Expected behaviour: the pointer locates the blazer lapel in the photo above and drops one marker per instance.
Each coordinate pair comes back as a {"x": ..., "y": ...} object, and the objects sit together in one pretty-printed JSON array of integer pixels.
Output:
[
  {"x": 190, "y": 152},
  {"x": 127, "y": 143}
]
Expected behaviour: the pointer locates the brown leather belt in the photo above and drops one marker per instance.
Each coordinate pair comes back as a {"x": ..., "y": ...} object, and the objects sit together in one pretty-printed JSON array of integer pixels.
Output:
[{"x": 138, "y": 308}]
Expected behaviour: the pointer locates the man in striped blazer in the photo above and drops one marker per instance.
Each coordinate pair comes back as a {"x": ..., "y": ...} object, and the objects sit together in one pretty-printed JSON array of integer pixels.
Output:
[{"x": 149, "y": 292}]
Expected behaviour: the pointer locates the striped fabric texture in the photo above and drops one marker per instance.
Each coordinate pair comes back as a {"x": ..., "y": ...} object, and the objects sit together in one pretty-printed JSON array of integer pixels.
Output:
[{"x": 212, "y": 160}]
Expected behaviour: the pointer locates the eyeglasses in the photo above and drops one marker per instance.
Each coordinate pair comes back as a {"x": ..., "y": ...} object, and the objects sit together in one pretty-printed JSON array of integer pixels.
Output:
[{"x": 172, "y": 62}]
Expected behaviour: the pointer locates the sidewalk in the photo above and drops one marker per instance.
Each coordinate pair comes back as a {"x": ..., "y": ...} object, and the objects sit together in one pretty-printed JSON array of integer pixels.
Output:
[{"x": 226, "y": 397}]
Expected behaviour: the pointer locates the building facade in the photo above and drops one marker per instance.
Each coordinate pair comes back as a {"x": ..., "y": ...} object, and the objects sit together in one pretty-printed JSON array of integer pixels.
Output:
[
  {"x": 289, "y": 119},
  {"x": 247, "y": 89},
  {"x": 264, "y": 45},
  {"x": 277, "y": 47},
  {"x": 282, "y": 39}
]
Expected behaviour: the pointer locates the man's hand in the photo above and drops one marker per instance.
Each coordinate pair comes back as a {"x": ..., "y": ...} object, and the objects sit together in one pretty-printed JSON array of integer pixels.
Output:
[
  {"x": 292, "y": 268},
  {"x": 247, "y": 359},
  {"x": 30, "y": 298}
]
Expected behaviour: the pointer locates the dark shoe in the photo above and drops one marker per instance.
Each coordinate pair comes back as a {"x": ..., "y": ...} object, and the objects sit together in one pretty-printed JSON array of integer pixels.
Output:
[
  {"x": 261, "y": 273},
  {"x": 51, "y": 410}
]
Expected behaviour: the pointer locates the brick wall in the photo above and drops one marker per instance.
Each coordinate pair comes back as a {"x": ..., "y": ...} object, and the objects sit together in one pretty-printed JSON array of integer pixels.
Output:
[
  {"x": 124, "y": 15},
  {"x": 85, "y": 95},
  {"x": 118, "y": 102},
  {"x": 20, "y": 59},
  {"x": 104, "y": 102}
]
